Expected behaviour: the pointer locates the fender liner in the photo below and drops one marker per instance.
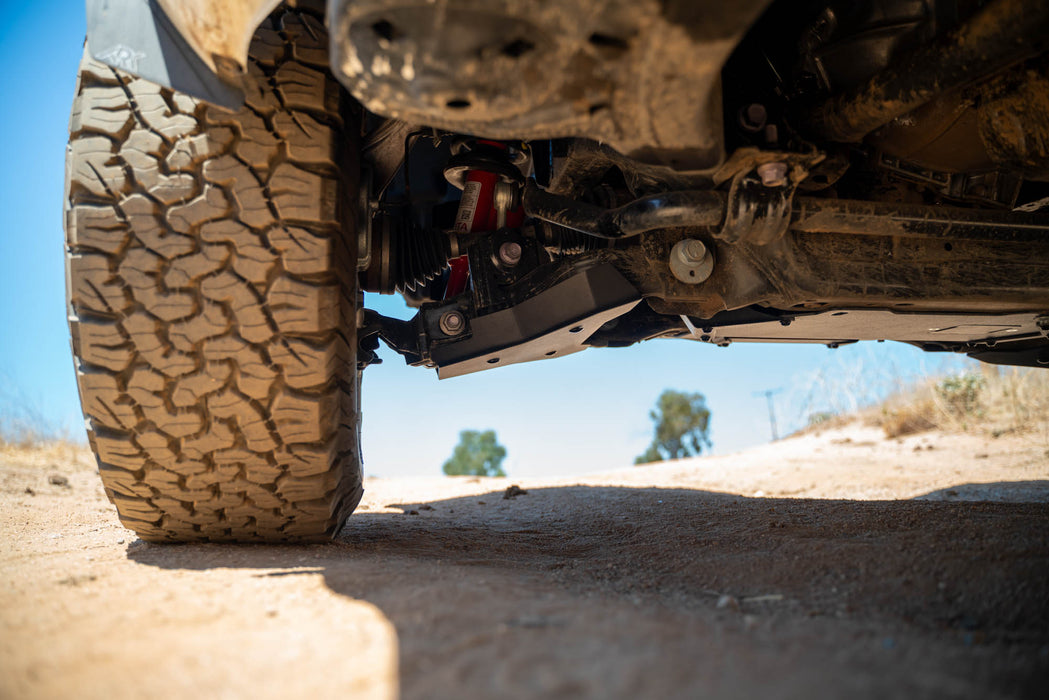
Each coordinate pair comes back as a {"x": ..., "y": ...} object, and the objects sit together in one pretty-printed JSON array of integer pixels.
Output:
[{"x": 198, "y": 47}]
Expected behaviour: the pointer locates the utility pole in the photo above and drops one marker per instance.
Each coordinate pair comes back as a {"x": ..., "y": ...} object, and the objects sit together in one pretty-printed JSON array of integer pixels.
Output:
[{"x": 768, "y": 394}]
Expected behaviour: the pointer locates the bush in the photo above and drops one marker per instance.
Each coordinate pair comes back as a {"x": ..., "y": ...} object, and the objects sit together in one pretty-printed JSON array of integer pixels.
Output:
[
  {"x": 960, "y": 394},
  {"x": 915, "y": 417},
  {"x": 821, "y": 418}
]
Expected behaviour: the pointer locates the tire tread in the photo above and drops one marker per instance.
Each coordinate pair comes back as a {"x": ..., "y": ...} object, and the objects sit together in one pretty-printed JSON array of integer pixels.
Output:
[{"x": 211, "y": 291}]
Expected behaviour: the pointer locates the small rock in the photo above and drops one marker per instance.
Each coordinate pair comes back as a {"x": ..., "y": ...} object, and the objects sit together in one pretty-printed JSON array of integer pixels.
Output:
[
  {"x": 413, "y": 512},
  {"x": 120, "y": 541},
  {"x": 30, "y": 491},
  {"x": 930, "y": 447},
  {"x": 76, "y": 580},
  {"x": 950, "y": 492},
  {"x": 425, "y": 506},
  {"x": 513, "y": 491},
  {"x": 982, "y": 455},
  {"x": 728, "y": 602},
  {"x": 480, "y": 503},
  {"x": 57, "y": 480}
]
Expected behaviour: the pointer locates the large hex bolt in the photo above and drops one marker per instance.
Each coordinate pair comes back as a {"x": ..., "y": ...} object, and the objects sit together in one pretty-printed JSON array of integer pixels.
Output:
[
  {"x": 691, "y": 262},
  {"x": 452, "y": 323},
  {"x": 510, "y": 253}
]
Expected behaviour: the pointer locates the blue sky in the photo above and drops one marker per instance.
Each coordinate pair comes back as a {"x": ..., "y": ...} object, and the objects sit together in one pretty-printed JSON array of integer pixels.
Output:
[{"x": 575, "y": 414}]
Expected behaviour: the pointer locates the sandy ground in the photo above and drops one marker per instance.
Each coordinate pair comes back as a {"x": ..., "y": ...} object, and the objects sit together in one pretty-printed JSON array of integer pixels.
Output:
[{"x": 832, "y": 565}]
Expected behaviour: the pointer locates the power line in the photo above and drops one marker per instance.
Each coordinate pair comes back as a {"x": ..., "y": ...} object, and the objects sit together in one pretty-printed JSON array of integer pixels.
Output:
[{"x": 768, "y": 394}]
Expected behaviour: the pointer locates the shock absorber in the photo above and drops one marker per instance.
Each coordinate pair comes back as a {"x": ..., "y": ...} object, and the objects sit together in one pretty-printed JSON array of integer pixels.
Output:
[{"x": 489, "y": 174}]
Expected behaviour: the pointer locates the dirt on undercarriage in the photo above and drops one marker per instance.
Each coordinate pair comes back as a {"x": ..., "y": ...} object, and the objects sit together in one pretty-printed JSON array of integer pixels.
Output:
[{"x": 831, "y": 565}]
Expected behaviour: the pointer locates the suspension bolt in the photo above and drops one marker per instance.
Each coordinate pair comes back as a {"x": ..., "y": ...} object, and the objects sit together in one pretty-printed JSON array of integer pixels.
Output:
[
  {"x": 690, "y": 261},
  {"x": 773, "y": 174},
  {"x": 510, "y": 253},
  {"x": 692, "y": 251},
  {"x": 753, "y": 117},
  {"x": 1043, "y": 324},
  {"x": 452, "y": 323}
]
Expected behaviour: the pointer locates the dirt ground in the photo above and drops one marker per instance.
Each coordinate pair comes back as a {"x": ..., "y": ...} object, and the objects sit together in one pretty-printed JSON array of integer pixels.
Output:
[{"x": 831, "y": 565}]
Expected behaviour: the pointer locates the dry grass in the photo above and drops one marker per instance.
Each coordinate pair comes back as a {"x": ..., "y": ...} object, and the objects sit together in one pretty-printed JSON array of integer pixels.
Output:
[
  {"x": 862, "y": 385},
  {"x": 55, "y": 456},
  {"x": 989, "y": 399},
  {"x": 973, "y": 398},
  {"x": 915, "y": 417},
  {"x": 22, "y": 424}
]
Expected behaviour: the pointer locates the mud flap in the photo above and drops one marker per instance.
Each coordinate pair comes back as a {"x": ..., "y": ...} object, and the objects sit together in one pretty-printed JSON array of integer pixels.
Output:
[{"x": 137, "y": 37}]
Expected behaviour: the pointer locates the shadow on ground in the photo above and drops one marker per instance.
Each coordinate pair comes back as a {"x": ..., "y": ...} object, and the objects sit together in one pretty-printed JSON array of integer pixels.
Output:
[
  {"x": 624, "y": 592},
  {"x": 999, "y": 492}
]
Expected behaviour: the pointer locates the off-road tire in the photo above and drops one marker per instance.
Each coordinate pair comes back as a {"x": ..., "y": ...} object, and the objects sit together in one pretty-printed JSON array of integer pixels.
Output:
[{"x": 211, "y": 267}]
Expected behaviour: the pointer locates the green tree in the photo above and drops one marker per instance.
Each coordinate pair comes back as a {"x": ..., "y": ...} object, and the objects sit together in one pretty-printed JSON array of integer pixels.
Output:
[
  {"x": 477, "y": 454},
  {"x": 682, "y": 425}
]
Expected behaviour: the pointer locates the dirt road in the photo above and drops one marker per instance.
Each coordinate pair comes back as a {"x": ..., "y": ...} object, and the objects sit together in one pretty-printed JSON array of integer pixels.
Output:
[{"x": 784, "y": 572}]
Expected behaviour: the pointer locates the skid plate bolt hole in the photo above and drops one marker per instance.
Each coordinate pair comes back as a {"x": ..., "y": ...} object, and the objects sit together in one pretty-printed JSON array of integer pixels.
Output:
[{"x": 385, "y": 31}]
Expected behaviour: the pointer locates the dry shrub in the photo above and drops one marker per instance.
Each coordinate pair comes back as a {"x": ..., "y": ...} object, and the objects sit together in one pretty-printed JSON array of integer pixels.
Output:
[
  {"x": 915, "y": 417},
  {"x": 1016, "y": 400},
  {"x": 851, "y": 385},
  {"x": 825, "y": 420},
  {"x": 986, "y": 398},
  {"x": 958, "y": 395}
]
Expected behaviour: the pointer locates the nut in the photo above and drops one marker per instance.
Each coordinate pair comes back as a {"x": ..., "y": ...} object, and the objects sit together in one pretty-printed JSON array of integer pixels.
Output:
[
  {"x": 773, "y": 174},
  {"x": 452, "y": 323}
]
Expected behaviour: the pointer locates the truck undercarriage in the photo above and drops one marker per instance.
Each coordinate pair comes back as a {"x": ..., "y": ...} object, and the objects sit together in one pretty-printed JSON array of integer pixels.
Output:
[{"x": 542, "y": 177}]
